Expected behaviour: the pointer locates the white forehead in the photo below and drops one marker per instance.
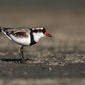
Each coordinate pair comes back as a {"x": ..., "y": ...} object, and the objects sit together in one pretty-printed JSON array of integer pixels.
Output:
[{"x": 40, "y": 28}]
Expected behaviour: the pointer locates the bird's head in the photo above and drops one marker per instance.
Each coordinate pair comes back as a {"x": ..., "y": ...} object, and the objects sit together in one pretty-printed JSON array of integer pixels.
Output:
[{"x": 39, "y": 33}]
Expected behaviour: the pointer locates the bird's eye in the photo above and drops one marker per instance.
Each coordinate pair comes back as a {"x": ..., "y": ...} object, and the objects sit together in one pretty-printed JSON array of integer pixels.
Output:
[{"x": 39, "y": 30}]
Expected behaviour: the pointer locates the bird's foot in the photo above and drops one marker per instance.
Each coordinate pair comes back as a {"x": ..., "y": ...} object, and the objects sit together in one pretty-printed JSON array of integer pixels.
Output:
[{"x": 23, "y": 61}]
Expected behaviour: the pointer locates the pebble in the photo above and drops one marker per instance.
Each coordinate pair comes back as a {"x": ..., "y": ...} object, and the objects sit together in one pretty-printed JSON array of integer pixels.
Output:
[{"x": 50, "y": 69}]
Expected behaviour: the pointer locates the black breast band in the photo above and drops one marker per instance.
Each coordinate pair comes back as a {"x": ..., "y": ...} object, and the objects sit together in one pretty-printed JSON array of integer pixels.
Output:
[{"x": 32, "y": 39}]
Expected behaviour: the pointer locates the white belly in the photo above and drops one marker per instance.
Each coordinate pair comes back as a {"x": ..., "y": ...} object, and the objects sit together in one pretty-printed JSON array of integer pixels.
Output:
[{"x": 21, "y": 41}]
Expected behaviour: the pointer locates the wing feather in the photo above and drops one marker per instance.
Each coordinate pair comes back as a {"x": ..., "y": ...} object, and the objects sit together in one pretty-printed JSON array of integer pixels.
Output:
[{"x": 17, "y": 32}]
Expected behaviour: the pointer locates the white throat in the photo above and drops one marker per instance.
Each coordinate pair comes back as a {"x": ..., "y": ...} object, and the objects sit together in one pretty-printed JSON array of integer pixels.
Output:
[{"x": 37, "y": 36}]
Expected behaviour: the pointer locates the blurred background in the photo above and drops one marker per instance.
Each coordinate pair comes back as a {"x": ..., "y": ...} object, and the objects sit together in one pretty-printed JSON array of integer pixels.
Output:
[{"x": 65, "y": 20}]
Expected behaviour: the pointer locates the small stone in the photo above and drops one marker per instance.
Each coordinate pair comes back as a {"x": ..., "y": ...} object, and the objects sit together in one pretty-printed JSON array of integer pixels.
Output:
[{"x": 50, "y": 69}]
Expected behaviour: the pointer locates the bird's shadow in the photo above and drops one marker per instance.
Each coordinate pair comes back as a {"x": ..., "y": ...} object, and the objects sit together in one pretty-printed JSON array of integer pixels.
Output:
[{"x": 13, "y": 60}]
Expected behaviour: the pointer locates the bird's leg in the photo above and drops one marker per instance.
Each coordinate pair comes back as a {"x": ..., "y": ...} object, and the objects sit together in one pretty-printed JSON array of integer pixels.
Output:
[
  {"x": 21, "y": 50},
  {"x": 21, "y": 54}
]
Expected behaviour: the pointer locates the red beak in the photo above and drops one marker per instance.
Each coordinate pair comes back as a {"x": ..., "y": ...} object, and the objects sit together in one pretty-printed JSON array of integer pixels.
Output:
[{"x": 47, "y": 34}]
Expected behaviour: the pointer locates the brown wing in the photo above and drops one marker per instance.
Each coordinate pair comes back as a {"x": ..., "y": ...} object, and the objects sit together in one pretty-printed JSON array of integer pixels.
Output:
[
  {"x": 18, "y": 32},
  {"x": 21, "y": 34}
]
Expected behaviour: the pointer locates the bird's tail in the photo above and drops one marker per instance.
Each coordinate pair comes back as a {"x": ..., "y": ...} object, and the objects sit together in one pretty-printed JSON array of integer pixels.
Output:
[
  {"x": 0, "y": 29},
  {"x": 3, "y": 29}
]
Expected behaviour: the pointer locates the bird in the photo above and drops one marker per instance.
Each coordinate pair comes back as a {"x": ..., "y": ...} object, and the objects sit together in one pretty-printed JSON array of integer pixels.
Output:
[{"x": 24, "y": 36}]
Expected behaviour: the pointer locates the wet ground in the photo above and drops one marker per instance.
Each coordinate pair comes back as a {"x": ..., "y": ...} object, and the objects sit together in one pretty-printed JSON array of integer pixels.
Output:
[
  {"x": 41, "y": 74},
  {"x": 61, "y": 68}
]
